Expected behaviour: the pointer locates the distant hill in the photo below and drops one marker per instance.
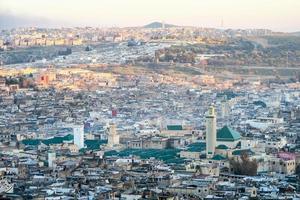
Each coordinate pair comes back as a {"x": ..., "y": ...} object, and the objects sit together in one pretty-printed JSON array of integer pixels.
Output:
[
  {"x": 9, "y": 20},
  {"x": 158, "y": 25}
]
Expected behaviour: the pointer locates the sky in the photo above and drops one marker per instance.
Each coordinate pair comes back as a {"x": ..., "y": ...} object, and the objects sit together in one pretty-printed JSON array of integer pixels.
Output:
[{"x": 278, "y": 15}]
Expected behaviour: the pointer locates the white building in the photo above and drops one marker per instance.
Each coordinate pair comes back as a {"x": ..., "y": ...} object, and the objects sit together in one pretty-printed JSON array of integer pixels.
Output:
[
  {"x": 262, "y": 123},
  {"x": 6, "y": 187},
  {"x": 78, "y": 132},
  {"x": 211, "y": 132},
  {"x": 203, "y": 168},
  {"x": 276, "y": 144}
]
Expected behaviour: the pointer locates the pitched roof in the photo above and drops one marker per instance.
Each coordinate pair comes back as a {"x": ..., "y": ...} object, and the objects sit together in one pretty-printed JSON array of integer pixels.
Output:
[
  {"x": 228, "y": 134},
  {"x": 241, "y": 151},
  {"x": 174, "y": 127},
  {"x": 222, "y": 146},
  {"x": 197, "y": 147},
  {"x": 218, "y": 157}
]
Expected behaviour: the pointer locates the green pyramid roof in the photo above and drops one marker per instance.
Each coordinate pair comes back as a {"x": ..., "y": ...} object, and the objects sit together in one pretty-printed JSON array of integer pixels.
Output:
[{"x": 228, "y": 134}]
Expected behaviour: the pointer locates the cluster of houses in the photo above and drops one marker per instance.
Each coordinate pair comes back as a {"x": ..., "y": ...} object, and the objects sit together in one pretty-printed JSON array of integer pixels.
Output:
[{"x": 148, "y": 141}]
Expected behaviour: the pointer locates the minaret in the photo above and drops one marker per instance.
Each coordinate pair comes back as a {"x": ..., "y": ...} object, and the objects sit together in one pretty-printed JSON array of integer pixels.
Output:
[
  {"x": 113, "y": 137},
  {"x": 211, "y": 132},
  {"x": 225, "y": 110},
  {"x": 78, "y": 131},
  {"x": 51, "y": 159}
]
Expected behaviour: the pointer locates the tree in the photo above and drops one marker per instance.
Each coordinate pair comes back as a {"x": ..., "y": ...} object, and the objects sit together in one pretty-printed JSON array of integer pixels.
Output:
[
  {"x": 244, "y": 166},
  {"x": 198, "y": 169}
]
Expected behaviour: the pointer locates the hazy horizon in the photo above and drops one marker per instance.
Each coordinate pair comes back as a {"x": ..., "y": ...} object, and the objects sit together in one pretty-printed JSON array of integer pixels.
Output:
[{"x": 277, "y": 15}]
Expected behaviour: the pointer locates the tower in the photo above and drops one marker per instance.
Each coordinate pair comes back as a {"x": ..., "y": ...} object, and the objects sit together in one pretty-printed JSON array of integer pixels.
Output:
[
  {"x": 113, "y": 137},
  {"x": 225, "y": 109},
  {"x": 211, "y": 132},
  {"x": 78, "y": 135},
  {"x": 51, "y": 159}
]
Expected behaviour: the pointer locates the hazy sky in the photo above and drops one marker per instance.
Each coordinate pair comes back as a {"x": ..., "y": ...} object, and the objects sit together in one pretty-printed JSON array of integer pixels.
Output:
[{"x": 279, "y": 15}]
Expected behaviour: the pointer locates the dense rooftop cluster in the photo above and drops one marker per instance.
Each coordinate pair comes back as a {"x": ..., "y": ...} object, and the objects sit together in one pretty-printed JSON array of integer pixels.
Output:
[{"x": 144, "y": 137}]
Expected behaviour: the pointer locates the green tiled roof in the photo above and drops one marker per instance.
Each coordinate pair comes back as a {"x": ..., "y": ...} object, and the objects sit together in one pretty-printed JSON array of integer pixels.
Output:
[
  {"x": 58, "y": 140},
  {"x": 94, "y": 144},
  {"x": 197, "y": 147},
  {"x": 227, "y": 134},
  {"x": 240, "y": 151},
  {"x": 218, "y": 157},
  {"x": 174, "y": 127},
  {"x": 91, "y": 144},
  {"x": 166, "y": 155},
  {"x": 54, "y": 140},
  {"x": 222, "y": 146},
  {"x": 33, "y": 142}
]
